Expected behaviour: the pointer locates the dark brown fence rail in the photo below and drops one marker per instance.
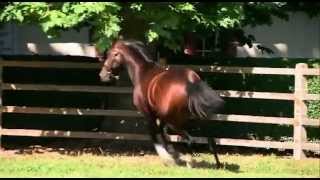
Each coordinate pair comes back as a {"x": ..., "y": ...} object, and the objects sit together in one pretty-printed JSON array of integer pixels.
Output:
[{"x": 299, "y": 121}]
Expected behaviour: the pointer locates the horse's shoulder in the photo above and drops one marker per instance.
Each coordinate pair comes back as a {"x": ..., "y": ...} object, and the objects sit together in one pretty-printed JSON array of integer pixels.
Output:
[{"x": 139, "y": 98}]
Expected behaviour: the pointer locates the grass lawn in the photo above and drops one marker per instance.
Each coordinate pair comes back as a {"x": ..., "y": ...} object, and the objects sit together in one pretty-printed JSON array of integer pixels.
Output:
[{"x": 52, "y": 164}]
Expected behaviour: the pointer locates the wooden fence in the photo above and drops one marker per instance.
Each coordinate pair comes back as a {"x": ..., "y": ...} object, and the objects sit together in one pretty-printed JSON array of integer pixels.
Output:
[{"x": 299, "y": 121}]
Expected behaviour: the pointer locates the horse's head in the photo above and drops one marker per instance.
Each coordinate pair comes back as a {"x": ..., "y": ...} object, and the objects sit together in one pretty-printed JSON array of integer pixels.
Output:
[
  {"x": 112, "y": 63},
  {"x": 123, "y": 52}
]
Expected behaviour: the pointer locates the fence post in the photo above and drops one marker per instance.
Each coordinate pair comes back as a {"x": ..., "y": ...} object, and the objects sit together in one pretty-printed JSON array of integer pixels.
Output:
[{"x": 300, "y": 110}]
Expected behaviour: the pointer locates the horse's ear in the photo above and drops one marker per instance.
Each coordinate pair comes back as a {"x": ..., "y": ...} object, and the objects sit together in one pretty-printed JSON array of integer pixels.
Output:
[{"x": 115, "y": 41}]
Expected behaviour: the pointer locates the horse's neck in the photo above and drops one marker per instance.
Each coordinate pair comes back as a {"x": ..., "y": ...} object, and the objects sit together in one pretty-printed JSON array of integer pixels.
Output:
[
  {"x": 137, "y": 70},
  {"x": 133, "y": 72}
]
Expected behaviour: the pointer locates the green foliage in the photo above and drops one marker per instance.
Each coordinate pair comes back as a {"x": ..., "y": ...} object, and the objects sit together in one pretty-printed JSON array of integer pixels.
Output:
[
  {"x": 53, "y": 17},
  {"x": 136, "y": 6},
  {"x": 24, "y": 12},
  {"x": 257, "y": 13},
  {"x": 167, "y": 21},
  {"x": 314, "y": 85},
  {"x": 314, "y": 106}
]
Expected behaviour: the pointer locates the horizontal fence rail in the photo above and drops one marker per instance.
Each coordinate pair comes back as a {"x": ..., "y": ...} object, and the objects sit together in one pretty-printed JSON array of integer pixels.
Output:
[
  {"x": 144, "y": 137},
  {"x": 51, "y": 64},
  {"x": 128, "y": 90},
  {"x": 132, "y": 113},
  {"x": 70, "y": 111},
  {"x": 199, "y": 68},
  {"x": 248, "y": 70},
  {"x": 299, "y": 121},
  {"x": 65, "y": 88}
]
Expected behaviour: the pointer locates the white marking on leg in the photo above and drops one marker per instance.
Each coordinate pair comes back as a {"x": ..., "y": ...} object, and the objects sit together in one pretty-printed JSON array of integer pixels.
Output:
[{"x": 162, "y": 151}]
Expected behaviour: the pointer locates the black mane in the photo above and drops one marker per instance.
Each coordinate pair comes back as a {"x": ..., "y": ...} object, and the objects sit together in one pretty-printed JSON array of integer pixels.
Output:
[{"x": 139, "y": 47}]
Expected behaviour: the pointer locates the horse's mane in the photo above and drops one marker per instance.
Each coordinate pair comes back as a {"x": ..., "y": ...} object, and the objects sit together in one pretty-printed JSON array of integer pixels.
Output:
[{"x": 138, "y": 47}]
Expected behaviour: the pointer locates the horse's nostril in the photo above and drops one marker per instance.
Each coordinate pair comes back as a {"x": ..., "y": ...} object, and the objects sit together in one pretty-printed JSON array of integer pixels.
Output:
[
  {"x": 105, "y": 79},
  {"x": 105, "y": 76},
  {"x": 104, "y": 73}
]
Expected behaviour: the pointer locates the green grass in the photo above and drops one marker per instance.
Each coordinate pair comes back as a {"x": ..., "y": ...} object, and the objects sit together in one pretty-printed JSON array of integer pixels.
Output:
[{"x": 57, "y": 165}]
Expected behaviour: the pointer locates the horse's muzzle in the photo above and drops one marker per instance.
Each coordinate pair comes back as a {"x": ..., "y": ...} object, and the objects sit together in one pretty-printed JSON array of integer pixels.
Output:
[{"x": 105, "y": 76}]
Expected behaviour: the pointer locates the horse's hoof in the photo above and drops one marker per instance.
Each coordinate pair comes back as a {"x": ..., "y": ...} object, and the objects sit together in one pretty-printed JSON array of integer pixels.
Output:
[
  {"x": 170, "y": 162},
  {"x": 219, "y": 166},
  {"x": 189, "y": 162}
]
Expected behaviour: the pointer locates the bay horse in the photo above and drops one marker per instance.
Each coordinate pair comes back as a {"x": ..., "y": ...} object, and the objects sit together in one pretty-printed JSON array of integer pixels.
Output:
[{"x": 166, "y": 97}]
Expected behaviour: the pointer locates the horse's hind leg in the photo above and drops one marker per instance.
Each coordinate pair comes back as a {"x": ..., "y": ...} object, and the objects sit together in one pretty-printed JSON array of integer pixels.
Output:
[
  {"x": 213, "y": 148},
  {"x": 188, "y": 158}
]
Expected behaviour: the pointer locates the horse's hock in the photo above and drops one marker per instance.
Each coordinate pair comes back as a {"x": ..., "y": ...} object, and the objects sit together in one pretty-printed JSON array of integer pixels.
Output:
[{"x": 116, "y": 112}]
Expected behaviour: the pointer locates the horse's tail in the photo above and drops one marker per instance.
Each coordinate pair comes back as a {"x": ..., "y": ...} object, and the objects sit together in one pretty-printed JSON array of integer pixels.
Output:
[{"x": 203, "y": 101}]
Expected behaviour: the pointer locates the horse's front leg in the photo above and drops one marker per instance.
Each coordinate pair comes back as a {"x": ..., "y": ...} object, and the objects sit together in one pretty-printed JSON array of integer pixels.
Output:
[
  {"x": 160, "y": 143},
  {"x": 187, "y": 157}
]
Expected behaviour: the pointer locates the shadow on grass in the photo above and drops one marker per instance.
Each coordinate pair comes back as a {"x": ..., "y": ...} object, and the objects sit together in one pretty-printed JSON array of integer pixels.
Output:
[
  {"x": 137, "y": 148},
  {"x": 225, "y": 166},
  {"x": 108, "y": 148}
]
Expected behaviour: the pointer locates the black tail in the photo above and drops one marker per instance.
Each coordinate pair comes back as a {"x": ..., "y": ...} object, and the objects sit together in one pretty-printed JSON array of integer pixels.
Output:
[{"x": 203, "y": 101}]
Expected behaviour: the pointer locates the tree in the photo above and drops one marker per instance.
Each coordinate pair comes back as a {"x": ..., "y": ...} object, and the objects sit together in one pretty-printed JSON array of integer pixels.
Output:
[
  {"x": 164, "y": 22},
  {"x": 55, "y": 17}
]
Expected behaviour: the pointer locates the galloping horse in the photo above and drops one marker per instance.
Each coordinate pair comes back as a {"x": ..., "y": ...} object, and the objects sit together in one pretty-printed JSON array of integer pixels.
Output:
[{"x": 166, "y": 97}]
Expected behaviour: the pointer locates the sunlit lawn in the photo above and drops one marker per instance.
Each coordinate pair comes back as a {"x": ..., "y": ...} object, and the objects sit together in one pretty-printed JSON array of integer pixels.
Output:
[{"x": 87, "y": 165}]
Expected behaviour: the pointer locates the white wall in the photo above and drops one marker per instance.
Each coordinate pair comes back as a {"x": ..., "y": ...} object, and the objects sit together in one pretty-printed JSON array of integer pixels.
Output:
[
  {"x": 27, "y": 40},
  {"x": 297, "y": 38}
]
